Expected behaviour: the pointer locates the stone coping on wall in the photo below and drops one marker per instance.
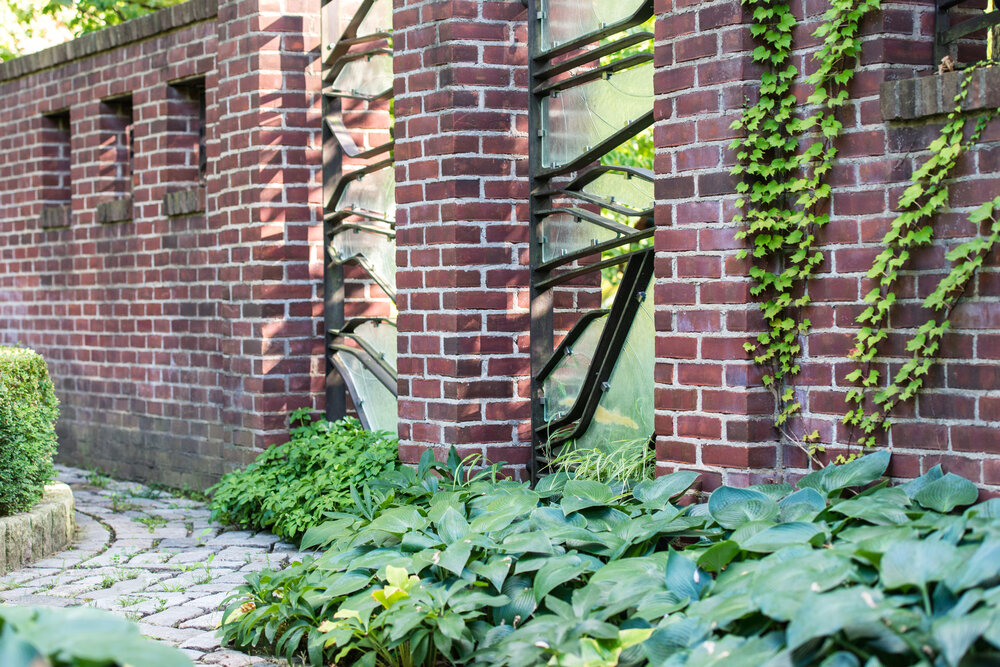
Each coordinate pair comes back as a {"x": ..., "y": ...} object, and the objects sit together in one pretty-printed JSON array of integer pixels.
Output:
[
  {"x": 44, "y": 530},
  {"x": 184, "y": 202},
  {"x": 54, "y": 217},
  {"x": 116, "y": 210},
  {"x": 909, "y": 99},
  {"x": 137, "y": 29}
]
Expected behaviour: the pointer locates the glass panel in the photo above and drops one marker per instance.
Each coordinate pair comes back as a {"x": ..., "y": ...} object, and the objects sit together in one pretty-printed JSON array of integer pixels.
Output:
[
  {"x": 381, "y": 336},
  {"x": 567, "y": 19},
  {"x": 336, "y": 15},
  {"x": 562, "y": 386},
  {"x": 625, "y": 411},
  {"x": 376, "y": 402},
  {"x": 373, "y": 193},
  {"x": 378, "y": 19},
  {"x": 378, "y": 250},
  {"x": 581, "y": 117},
  {"x": 623, "y": 189},
  {"x": 365, "y": 77},
  {"x": 562, "y": 234}
]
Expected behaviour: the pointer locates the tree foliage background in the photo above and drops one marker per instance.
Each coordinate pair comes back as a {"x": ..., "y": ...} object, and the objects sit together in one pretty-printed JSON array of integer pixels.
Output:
[{"x": 27, "y": 26}]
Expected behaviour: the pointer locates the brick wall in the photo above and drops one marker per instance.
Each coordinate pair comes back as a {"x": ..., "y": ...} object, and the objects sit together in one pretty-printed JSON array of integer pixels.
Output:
[
  {"x": 177, "y": 342},
  {"x": 711, "y": 413}
]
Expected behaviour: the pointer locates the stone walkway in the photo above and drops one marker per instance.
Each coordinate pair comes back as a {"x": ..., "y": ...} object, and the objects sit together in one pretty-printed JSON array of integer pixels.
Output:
[{"x": 153, "y": 558}]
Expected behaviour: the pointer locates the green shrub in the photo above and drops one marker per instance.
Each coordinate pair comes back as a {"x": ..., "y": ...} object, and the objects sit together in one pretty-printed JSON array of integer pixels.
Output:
[
  {"x": 77, "y": 637},
  {"x": 28, "y": 413},
  {"x": 292, "y": 487},
  {"x": 437, "y": 566}
]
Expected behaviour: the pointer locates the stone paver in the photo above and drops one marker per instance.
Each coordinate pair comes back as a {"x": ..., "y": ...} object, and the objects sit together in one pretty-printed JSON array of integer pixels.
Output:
[{"x": 153, "y": 558}]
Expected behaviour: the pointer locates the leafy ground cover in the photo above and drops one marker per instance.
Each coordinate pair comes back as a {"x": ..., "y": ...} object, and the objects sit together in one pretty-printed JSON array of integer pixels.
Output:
[
  {"x": 437, "y": 565},
  {"x": 291, "y": 487},
  {"x": 77, "y": 637}
]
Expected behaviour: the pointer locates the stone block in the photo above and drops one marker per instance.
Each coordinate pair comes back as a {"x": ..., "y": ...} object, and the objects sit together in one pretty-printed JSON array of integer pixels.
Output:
[
  {"x": 40, "y": 532},
  {"x": 54, "y": 217},
  {"x": 116, "y": 210}
]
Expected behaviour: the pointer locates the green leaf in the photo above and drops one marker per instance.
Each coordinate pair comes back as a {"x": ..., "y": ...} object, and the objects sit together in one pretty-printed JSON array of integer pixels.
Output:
[
  {"x": 826, "y": 614},
  {"x": 983, "y": 566},
  {"x": 557, "y": 571},
  {"x": 522, "y": 602},
  {"x": 718, "y": 556},
  {"x": 917, "y": 563},
  {"x": 659, "y": 492},
  {"x": 782, "y": 535},
  {"x": 684, "y": 578},
  {"x": 858, "y": 472},
  {"x": 956, "y": 636},
  {"x": 494, "y": 571},
  {"x": 530, "y": 542},
  {"x": 947, "y": 493},
  {"x": 803, "y": 504},
  {"x": 731, "y": 507}
]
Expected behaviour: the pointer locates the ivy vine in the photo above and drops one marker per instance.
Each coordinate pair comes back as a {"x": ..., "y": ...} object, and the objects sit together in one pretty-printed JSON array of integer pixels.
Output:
[{"x": 783, "y": 158}]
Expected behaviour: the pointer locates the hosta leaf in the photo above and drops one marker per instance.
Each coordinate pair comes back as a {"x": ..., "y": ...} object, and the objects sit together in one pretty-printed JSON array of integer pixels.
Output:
[
  {"x": 659, "y": 492},
  {"x": 981, "y": 567},
  {"x": 773, "y": 491},
  {"x": 494, "y": 571},
  {"x": 915, "y": 485},
  {"x": 581, "y": 494},
  {"x": 840, "y": 659},
  {"x": 956, "y": 635},
  {"x": 718, "y": 556},
  {"x": 803, "y": 504},
  {"x": 917, "y": 563},
  {"x": 858, "y": 472},
  {"x": 530, "y": 542},
  {"x": 452, "y": 526},
  {"x": 825, "y": 614},
  {"x": 684, "y": 578},
  {"x": 947, "y": 493},
  {"x": 557, "y": 571},
  {"x": 398, "y": 520},
  {"x": 731, "y": 507},
  {"x": 782, "y": 535},
  {"x": 522, "y": 602},
  {"x": 455, "y": 556}
]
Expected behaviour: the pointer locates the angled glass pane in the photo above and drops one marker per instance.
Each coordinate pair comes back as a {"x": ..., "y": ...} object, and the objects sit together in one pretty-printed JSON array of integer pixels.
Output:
[
  {"x": 625, "y": 411},
  {"x": 564, "y": 20},
  {"x": 562, "y": 233},
  {"x": 372, "y": 194},
  {"x": 561, "y": 387},
  {"x": 371, "y": 397},
  {"x": 377, "y": 251},
  {"x": 622, "y": 188},
  {"x": 381, "y": 337},
  {"x": 579, "y": 118},
  {"x": 367, "y": 77},
  {"x": 377, "y": 20}
]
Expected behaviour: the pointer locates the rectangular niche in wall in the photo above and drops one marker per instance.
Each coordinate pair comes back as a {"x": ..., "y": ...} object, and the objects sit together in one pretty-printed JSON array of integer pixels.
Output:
[
  {"x": 55, "y": 189},
  {"x": 186, "y": 159},
  {"x": 116, "y": 176}
]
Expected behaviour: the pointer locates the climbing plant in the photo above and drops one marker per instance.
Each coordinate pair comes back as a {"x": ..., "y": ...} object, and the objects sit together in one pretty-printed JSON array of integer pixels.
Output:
[
  {"x": 783, "y": 158},
  {"x": 783, "y": 161}
]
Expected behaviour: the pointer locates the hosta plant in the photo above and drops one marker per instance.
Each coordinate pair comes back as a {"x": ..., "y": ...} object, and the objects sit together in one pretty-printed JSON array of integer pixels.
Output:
[{"x": 436, "y": 565}]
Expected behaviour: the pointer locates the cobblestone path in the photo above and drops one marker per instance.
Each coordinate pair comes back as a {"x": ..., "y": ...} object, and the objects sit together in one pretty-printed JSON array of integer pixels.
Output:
[{"x": 153, "y": 558}]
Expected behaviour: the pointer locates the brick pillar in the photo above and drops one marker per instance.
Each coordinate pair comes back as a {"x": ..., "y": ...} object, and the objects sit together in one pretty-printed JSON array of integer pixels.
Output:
[
  {"x": 712, "y": 413},
  {"x": 462, "y": 231},
  {"x": 264, "y": 198}
]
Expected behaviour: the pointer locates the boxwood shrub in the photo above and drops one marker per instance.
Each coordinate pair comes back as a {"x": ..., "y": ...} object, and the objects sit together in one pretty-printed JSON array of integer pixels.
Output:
[
  {"x": 28, "y": 413},
  {"x": 436, "y": 566},
  {"x": 291, "y": 487}
]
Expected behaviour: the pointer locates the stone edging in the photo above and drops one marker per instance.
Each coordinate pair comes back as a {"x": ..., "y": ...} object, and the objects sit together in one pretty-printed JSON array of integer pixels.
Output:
[
  {"x": 41, "y": 532},
  {"x": 909, "y": 99},
  {"x": 143, "y": 27}
]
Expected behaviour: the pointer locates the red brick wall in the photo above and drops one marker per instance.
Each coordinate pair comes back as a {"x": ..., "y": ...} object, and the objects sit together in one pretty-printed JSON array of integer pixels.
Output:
[
  {"x": 461, "y": 189},
  {"x": 177, "y": 344},
  {"x": 711, "y": 413}
]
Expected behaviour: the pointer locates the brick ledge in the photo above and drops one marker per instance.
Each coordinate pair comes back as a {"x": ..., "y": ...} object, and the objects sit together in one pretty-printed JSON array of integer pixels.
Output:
[
  {"x": 116, "y": 210},
  {"x": 909, "y": 99},
  {"x": 143, "y": 27},
  {"x": 184, "y": 202}
]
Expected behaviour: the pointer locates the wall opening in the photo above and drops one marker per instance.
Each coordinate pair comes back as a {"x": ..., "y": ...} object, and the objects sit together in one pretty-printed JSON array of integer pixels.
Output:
[{"x": 56, "y": 187}]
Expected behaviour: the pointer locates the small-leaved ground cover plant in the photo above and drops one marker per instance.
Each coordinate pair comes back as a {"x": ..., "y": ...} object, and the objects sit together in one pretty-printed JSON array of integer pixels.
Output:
[
  {"x": 291, "y": 487},
  {"x": 28, "y": 413},
  {"x": 438, "y": 565}
]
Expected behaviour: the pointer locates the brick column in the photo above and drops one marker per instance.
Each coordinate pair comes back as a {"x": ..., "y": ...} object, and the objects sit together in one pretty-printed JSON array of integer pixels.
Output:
[
  {"x": 712, "y": 413},
  {"x": 462, "y": 230},
  {"x": 264, "y": 198}
]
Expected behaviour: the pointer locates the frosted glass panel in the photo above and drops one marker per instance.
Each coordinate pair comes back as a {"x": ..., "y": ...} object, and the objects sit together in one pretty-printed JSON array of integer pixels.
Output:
[
  {"x": 625, "y": 411},
  {"x": 567, "y": 19},
  {"x": 381, "y": 337},
  {"x": 581, "y": 117},
  {"x": 562, "y": 234},
  {"x": 377, "y": 250},
  {"x": 622, "y": 189},
  {"x": 365, "y": 77},
  {"x": 562, "y": 386},
  {"x": 378, "y": 19},
  {"x": 373, "y": 398},
  {"x": 373, "y": 193}
]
